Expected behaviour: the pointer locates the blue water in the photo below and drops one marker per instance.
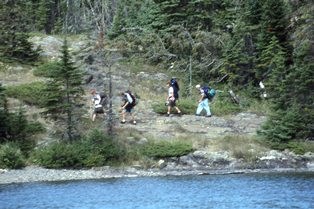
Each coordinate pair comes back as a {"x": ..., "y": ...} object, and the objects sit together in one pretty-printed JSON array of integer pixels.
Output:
[{"x": 249, "y": 191}]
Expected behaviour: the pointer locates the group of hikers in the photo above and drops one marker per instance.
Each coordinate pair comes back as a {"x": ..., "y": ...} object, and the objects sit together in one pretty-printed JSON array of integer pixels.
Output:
[
  {"x": 99, "y": 101},
  {"x": 129, "y": 101}
]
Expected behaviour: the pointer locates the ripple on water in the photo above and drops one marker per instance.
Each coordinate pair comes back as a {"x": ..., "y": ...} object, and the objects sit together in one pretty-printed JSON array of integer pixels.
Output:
[{"x": 211, "y": 191}]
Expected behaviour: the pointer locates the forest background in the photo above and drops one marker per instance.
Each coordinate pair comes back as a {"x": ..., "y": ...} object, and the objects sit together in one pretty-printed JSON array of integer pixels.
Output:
[{"x": 232, "y": 43}]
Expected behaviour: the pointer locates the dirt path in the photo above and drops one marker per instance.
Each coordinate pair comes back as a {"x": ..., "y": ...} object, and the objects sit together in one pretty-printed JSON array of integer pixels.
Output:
[{"x": 175, "y": 126}]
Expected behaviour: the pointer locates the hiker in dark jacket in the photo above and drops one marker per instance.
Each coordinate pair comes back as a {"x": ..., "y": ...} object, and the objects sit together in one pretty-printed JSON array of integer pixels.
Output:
[{"x": 128, "y": 106}]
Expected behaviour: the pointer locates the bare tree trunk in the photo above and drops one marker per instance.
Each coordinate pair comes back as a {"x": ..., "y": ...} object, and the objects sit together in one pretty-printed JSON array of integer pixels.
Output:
[
  {"x": 110, "y": 112},
  {"x": 101, "y": 14}
]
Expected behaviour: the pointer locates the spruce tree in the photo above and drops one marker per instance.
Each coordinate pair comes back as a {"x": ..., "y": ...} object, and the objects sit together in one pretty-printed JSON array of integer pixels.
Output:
[
  {"x": 118, "y": 23},
  {"x": 64, "y": 93},
  {"x": 273, "y": 22},
  {"x": 4, "y": 115},
  {"x": 192, "y": 14},
  {"x": 271, "y": 65},
  {"x": 293, "y": 110},
  {"x": 14, "y": 42}
]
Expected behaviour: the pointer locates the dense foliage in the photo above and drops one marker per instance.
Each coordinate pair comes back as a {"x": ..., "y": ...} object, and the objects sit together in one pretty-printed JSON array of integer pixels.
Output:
[
  {"x": 14, "y": 44},
  {"x": 164, "y": 149},
  {"x": 15, "y": 128},
  {"x": 11, "y": 156},
  {"x": 96, "y": 149}
]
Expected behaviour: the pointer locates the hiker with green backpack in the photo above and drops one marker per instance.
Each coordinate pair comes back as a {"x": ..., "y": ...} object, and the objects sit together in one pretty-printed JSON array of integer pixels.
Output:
[{"x": 207, "y": 94}]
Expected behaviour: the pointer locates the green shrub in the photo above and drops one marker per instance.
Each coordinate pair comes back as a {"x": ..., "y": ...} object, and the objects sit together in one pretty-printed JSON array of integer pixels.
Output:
[
  {"x": 161, "y": 149},
  {"x": 187, "y": 106},
  {"x": 295, "y": 146},
  {"x": 246, "y": 148},
  {"x": 30, "y": 93},
  {"x": 47, "y": 69},
  {"x": 58, "y": 155},
  {"x": 100, "y": 144},
  {"x": 19, "y": 132},
  {"x": 34, "y": 127},
  {"x": 223, "y": 105},
  {"x": 96, "y": 149},
  {"x": 286, "y": 125},
  {"x": 11, "y": 156}
]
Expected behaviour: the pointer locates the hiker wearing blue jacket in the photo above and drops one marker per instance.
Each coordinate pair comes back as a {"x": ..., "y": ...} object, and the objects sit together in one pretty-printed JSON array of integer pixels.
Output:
[{"x": 203, "y": 102}]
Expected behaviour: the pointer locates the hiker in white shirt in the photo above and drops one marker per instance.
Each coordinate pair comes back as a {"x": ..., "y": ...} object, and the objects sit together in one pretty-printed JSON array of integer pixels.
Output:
[{"x": 97, "y": 107}]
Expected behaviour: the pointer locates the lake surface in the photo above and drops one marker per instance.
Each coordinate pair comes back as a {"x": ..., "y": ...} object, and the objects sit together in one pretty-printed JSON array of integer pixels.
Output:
[{"x": 249, "y": 191}]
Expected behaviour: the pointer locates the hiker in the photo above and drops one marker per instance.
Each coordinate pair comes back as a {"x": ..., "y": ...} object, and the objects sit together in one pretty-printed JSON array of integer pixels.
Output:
[
  {"x": 96, "y": 104},
  {"x": 171, "y": 99},
  {"x": 128, "y": 105},
  {"x": 203, "y": 102}
]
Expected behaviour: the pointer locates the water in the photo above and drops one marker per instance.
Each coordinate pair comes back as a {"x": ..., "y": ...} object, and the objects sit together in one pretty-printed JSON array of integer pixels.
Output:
[{"x": 249, "y": 191}]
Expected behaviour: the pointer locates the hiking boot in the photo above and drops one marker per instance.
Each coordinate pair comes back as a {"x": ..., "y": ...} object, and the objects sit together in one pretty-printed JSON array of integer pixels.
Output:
[
  {"x": 168, "y": 114},
  {"x": 197, "y": 115},
  {"x": 208, "y": 116},
  {"x": 179, "y": 113},
  {"x": 134, "y": 122},
  {"x": 123, "y": 122}
]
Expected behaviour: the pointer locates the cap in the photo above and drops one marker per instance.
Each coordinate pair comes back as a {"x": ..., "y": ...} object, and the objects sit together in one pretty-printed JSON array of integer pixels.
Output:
[{"x": 198, "y": 86}]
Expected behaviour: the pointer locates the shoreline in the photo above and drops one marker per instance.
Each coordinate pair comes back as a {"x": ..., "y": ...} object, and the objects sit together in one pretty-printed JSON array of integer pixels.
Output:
[{"x": 31, "y": 174}]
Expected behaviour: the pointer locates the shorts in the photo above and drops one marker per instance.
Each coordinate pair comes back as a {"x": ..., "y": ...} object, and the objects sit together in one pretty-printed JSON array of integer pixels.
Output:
[
  {"x": 128, "y": 108},
  {"x": 172, "y": 103},
  {"x": 98, "y": 110}
]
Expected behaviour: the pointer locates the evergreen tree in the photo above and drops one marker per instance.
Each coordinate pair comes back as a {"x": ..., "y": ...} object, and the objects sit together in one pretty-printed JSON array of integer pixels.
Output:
[
  {"x": 132, "y": 15},
  {"x": 4, "y": 115},
  {"x": 253, "y": 14},
  {"x": 240, "y": 49},
  {"x": 119, "y": 22},
  {"x": 293, "y": 111},
  {"x": 192, "y": 14},
  {"x": 273, "y": 23},
  {"x": 14, "y": 42},
  {"x": 53, "y": 98},
  {"x": 64, "y": 93},
  {"x": 272, "y": 65},
  {"x": 49, "y": 15},
  {"x": 14, "y": 126},
  {"x": 18, "y": 125}
]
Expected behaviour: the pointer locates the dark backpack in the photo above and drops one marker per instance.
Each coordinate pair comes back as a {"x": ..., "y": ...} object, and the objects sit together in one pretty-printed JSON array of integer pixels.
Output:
[
  {"x": 133, "y": 98},
  {"x": 209, "y": 92},
  {"x": 103, "y": 98},
  {"x": 175, "y": 87}
]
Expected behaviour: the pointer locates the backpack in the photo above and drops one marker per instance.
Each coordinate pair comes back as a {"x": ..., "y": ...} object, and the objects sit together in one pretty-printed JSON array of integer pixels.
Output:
[
  {"x": 133, "y": 98},
  {"x": 209, "y": 92},
  {"x": 175, "y": 87},
  {"x": 103, "y": 98}
]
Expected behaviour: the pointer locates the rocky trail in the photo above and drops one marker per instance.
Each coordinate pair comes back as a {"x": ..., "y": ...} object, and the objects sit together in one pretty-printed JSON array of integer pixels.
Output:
[{"x": 161, "y": 126}]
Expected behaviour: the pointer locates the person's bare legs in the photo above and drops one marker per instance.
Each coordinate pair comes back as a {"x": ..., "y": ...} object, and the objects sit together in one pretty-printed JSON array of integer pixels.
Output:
[
  {"x": 178, "y": 110},
  {"x": 123, "y": 116},
  {"x": 133, "y": 118},
  {"x": 169, "y": 110}
]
